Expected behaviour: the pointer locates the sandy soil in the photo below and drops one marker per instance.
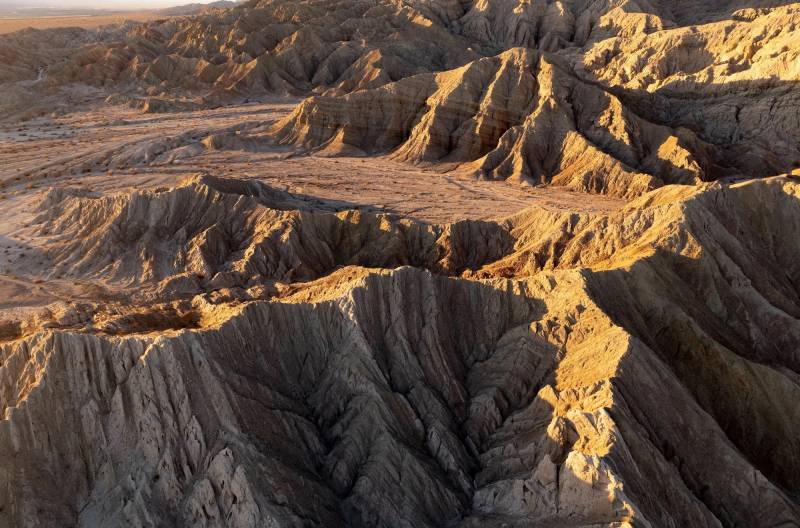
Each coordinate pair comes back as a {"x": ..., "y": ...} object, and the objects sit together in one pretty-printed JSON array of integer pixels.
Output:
[
  {"x": 53, "y": 152},
  {"x": 11, "y": 24},
  {"x": 58, "y": 151}
]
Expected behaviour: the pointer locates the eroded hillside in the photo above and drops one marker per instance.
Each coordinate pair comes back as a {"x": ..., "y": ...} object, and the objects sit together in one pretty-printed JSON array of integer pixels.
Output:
[
  {"x": 268, "y": 364},
  {"x": 614, "y": 98},
  {"x": 403, "y": 263}
]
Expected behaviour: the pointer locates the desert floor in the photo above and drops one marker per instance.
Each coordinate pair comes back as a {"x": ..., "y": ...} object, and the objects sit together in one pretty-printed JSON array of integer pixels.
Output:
[
  {"x": 53, "y": 152},
  {"x": 11, "y": 24}
]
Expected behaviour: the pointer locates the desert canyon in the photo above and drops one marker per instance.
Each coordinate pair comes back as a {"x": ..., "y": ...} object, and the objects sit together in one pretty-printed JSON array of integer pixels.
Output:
[{"x": 403, "y": 264}]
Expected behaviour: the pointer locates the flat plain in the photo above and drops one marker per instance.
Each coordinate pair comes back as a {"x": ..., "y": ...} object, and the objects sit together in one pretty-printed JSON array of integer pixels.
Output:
[{"x": 10, "y": 23}]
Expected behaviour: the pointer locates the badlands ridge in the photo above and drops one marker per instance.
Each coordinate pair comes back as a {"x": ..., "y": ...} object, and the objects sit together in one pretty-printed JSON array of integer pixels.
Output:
[
  {"x": 613, "y": 97},
  {"x": 234, "y": 297},
  {"x": 269, "y": 365}
]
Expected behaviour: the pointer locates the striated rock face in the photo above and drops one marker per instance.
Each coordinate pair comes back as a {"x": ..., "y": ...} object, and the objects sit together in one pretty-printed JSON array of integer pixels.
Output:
[
  {"x": 257, "y": 49},
  {"x": 226, "y": 354},
  {"x": 610, "y": 97},
  {"x": 614, "y": 99},
  {"x": 732, "y": 82},
  {"x": 294, "y": 46},
  {"x": 223, "y": 230},
  {"x": 518, "y": 115},
  {"x": 276, "y": 46},
  {"x": 551, "y": 369}
]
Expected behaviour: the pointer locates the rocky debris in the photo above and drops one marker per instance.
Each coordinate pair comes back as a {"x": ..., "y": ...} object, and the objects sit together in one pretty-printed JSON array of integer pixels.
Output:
[{"x": 634, "y": 367}]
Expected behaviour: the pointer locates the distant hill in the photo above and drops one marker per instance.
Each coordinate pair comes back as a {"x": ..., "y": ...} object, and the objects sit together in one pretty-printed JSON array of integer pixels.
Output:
[{"x": 196, "y": 9}]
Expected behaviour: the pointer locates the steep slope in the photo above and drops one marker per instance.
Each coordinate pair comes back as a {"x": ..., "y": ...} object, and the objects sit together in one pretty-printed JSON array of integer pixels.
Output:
[
  {"x": 628, "y": 111},
  {"x": 235, "y": 232},
  {"x": 635, "y": 367},
  {"x": 734, "y": 83},
  {"x": 518, "y": 115},
  {"x": 258, "y": 49},
  {"x": 274, "y": 47},
  {"x": 613, "y": 97},
  {"x": 551, "y": 25}
]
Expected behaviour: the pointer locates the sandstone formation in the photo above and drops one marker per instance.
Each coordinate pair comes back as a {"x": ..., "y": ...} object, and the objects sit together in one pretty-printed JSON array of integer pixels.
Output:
[
  {"x": 611, "y": 97},
  {"x": 732, "y": 82},
  {"x": 283, "y": 366},
  {"x": 517, "y": 115},
  {"x": 627, "y": 112},
  {"x": 217, "y": 352},
  {"x": 274, "y": 46}
]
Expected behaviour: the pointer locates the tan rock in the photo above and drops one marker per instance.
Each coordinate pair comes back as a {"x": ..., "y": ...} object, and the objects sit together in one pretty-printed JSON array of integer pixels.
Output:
[{"x": 636, "y": 370}]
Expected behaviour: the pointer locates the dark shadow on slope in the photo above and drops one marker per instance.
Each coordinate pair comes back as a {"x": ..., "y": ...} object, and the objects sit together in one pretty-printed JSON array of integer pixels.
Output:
[
  {"x": 246, "y": 233},
  {"x": 386, "y": 387},
  {"x": 739, "y": 366},
  {"x": 760, "y": 137}
]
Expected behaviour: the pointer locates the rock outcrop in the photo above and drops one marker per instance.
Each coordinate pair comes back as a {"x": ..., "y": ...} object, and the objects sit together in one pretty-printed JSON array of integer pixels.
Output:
[
  {"x": 283, "y": 47},
  {"x": 732, "y": 82},
  {"x": 601, "y": 106},
  {"x": 226, "y": 354},
  {"x": 518, "y": 115},
  {"x": 612, "y": 97},
  {"x": 637, "y": 367},
  {"x": 226, "y": 230}
]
